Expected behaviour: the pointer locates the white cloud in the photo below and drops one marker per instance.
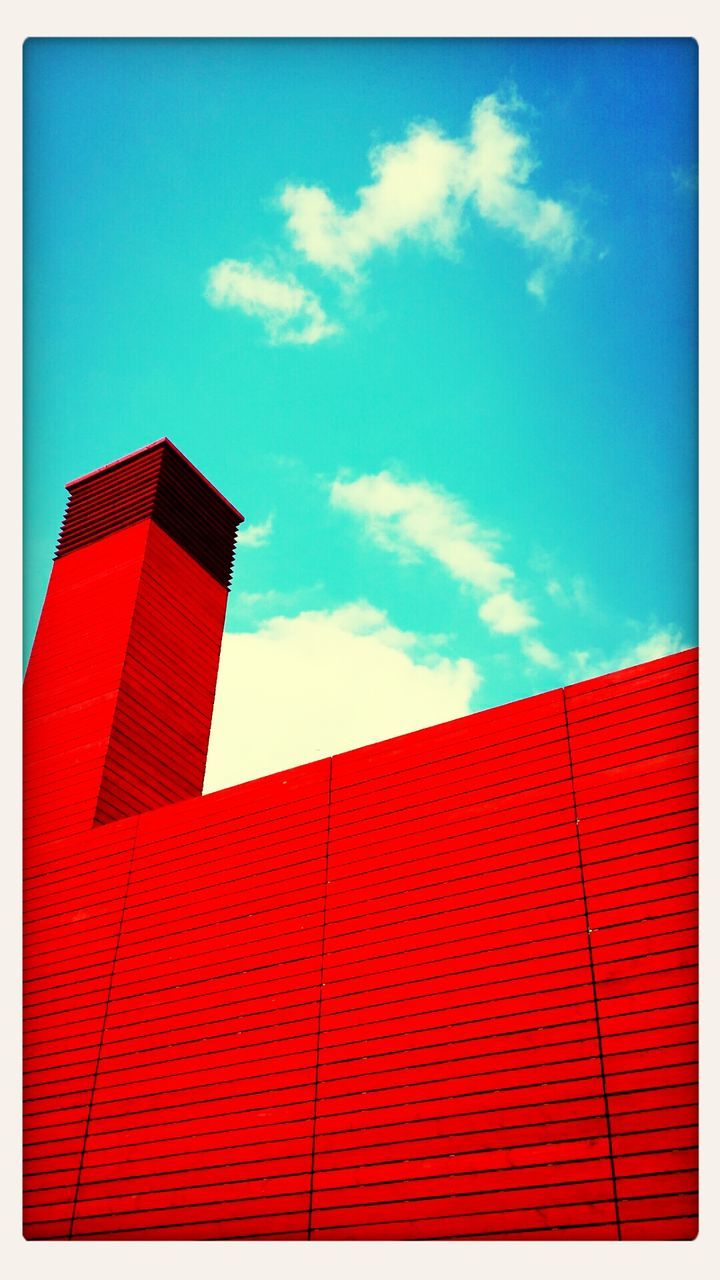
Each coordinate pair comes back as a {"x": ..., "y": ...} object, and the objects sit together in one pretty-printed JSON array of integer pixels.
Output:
[
  {"x": 408, "y": 518},
  {"x": 255, "y": 535},
  {"x": 414, "y": 518},
  {"x": 322, "y": 682},
  {"x": 415, "y": 193},
  {"x": 575, "y": 594},
  {"x": 581, "y": 658},
  {"x": 422, "y": 185},
  {"x": 290, "y": 312},
  {"x": 539, "y": 653},
  {"x": 500, "y": 164},
  {"x": 660, "y": 642},
  {"x": 537, "y": 284},
  {"x": 421, "y": 189},
  {"x": 506, "y": 615}
]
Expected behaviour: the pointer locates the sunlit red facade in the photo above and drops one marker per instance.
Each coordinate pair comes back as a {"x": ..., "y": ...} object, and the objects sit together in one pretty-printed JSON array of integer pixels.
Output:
[{"x": 438, "y": 987}]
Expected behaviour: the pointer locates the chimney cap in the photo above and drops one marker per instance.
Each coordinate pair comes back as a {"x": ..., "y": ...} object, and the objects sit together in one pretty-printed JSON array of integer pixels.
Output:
[
  {"x": 159, "y": 483},
  {"x": 162, "y": 443}
]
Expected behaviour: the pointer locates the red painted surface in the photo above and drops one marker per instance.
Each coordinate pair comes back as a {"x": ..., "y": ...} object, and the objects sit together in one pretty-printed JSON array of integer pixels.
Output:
[{"x": 438, "y": 987}]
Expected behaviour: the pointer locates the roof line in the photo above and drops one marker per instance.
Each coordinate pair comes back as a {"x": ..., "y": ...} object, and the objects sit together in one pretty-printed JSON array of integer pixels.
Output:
[{"x": 156, "y": 444}]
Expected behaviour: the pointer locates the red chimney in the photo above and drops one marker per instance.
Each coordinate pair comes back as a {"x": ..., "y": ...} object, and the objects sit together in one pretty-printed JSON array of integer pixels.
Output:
[{"x": 121, "y": 680}]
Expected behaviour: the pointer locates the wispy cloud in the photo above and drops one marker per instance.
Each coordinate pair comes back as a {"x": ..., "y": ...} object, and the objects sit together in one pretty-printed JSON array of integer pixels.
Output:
[
  {"x": 290, "y": 312},
  {"x": 421, "y": 188},
  {"x": 539, "y": 653},
  {"x": 247, "y": 609},
  {"x": 506, "y": 615},
  {"x": 685, "y": 179},
  {"x": 656, "y": 643},
  {"x": 415, "y": 194},
  {"x": 411, "y": 518},
  {"x": 414, "y": 519},
  {"x": 660, "y": 641},
  {"x": 325, "y": 681},
  {"x": 255, "y": 535},
  {"x": 572, "y": 594}
]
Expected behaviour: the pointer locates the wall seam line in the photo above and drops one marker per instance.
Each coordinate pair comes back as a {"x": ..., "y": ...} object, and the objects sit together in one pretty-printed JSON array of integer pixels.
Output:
[
  {"x": 320, "y": 1003},
  {"x": 601, "y": 1054},
  {"x": 102, "y": 1029}
]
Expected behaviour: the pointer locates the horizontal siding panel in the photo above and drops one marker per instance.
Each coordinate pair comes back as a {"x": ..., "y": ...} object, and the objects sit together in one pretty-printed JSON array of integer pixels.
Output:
[
  {"x": 241, "y": 1218},
  {"x": 644, "y": 959},
  {"x": 435, "y": 1209},
  {"x": 670, "y": 1228},
  {"x": 507, "y": 1224},
  {"x": 368, "y": 1010}
]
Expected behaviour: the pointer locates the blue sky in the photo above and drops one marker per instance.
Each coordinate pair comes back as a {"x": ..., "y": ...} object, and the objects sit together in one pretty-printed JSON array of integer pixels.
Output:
[{"x": 424, "y": 310}]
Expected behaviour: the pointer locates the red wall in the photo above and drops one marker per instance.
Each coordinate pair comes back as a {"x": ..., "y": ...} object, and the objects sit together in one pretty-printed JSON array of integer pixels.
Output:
[
  {"x": 438, "y": 987},
  {"x": 120, "y": 683}
]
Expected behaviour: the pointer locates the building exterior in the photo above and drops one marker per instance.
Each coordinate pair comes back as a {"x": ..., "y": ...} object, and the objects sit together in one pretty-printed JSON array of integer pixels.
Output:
[{"x": 438, "y": 987}]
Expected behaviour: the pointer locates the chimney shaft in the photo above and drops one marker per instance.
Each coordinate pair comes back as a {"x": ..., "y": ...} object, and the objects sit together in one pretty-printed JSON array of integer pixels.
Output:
[{"x": 121, "y": 680}]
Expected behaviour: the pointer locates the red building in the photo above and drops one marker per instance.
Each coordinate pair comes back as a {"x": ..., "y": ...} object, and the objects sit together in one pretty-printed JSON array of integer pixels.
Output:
[{"x": 439, "y": 987}]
